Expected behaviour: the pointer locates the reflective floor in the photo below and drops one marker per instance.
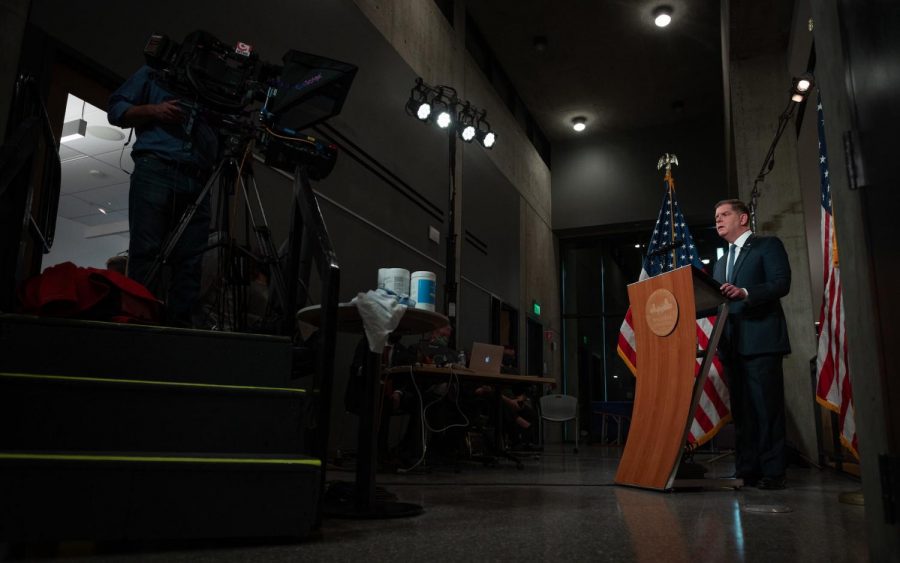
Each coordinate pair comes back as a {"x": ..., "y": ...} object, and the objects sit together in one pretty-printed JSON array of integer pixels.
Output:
[{"x": 564, "y": 507}]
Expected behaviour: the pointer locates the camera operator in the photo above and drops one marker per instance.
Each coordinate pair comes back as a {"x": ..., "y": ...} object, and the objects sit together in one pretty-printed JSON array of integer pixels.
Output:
[{"x": 173, "y": 157}]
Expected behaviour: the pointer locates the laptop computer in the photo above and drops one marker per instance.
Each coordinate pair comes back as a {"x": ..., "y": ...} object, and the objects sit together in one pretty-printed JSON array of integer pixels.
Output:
[{"x": 486, "y": 357}]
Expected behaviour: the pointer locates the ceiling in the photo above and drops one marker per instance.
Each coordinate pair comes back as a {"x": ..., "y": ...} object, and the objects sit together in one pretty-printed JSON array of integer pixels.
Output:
[
  {"x": 607, "y": 61},
  {"x": 604, "y": 60},
  {"x": 95, "y": 172}
]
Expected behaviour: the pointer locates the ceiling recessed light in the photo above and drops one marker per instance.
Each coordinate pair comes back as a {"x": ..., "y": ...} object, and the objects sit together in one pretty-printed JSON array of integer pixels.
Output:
[
  {"x": 579, "y": 123},
  {"x": 662, "y": 16}
]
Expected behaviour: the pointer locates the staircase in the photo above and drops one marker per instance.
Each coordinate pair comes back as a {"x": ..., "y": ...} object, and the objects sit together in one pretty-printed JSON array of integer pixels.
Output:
[{"x": 118, "y": 432}]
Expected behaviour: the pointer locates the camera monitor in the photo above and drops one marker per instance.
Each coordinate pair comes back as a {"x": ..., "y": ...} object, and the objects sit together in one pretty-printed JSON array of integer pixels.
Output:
[{"x": 310, "y": 90}]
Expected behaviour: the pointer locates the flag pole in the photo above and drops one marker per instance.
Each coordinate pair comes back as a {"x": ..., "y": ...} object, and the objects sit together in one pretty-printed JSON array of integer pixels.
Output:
[{"x": 668, "y": 160}]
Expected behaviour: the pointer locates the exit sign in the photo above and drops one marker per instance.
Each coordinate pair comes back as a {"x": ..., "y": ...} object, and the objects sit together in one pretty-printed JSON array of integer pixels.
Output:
[{"x": 536, "y": 307}]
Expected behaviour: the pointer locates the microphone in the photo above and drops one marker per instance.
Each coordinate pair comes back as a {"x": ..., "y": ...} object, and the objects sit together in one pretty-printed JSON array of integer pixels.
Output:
[{"x": 666, "y": 248}]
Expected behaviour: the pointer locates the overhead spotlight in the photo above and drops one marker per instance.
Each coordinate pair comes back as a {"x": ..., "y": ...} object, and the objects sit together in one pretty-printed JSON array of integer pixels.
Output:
[
  {"x": 72, "y": 130},
  {"x": 443, "y": 106},
  {"x": 579, "y": 123},
  {"x": 662, "y": 16},
  {"x": 418, "y": 104},
  {"x": 800, "y": 87},
  {"x": 443, "y": 119},
  {"x": 485, "y": 135},
  {"x": 467, "y": 133},
  {"x": 467, "y": 127}
]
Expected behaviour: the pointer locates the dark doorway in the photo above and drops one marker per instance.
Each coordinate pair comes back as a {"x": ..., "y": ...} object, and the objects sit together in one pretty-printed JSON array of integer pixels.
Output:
[
  {"x": 505, "y": 331},
  {"x": 534, "y": 347}
]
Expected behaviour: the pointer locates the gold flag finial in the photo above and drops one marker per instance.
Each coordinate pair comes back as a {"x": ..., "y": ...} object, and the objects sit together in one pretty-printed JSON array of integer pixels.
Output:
[{"x": 667, "y": 160}]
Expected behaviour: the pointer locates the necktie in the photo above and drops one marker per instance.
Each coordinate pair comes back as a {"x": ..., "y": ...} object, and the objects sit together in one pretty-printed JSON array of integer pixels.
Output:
[{"x": 729, "y": 270}]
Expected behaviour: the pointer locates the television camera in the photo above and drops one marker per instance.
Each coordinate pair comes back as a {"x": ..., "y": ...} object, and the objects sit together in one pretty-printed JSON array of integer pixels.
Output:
[
  {"x": 221, "y": 84},
  {"x": 254, "y": 104}
]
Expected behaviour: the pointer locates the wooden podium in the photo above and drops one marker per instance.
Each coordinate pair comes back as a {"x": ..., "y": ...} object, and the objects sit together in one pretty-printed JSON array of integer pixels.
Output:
[{"x": 664, "y": 313}]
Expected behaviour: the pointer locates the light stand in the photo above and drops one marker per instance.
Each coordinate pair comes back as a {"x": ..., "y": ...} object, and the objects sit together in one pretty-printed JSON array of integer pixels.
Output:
[
  {"x": 428, "y": 103},
  {"x": 451, "y": 285}
]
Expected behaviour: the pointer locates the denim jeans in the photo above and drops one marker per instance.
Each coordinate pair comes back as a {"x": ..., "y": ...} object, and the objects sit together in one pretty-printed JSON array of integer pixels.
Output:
[{"x": 157, "y": 199}]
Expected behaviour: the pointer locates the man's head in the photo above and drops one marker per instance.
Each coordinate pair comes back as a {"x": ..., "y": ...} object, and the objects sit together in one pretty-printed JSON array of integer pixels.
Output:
[
  {"x": 441, "y": 335},
  {"x": 117, "y": 264},
  {"x": 732, "y": 219}
]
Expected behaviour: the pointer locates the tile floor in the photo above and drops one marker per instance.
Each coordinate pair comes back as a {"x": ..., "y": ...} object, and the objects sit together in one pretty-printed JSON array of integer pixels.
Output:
[{"x": 564, "y": 507}]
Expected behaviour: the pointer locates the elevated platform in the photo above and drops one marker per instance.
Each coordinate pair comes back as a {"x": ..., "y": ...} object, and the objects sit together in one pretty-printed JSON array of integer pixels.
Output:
[
  {"x": 119, "y": 432},
  {"x": 121, "y": 496},
  {"x": 52, "y": 346}
]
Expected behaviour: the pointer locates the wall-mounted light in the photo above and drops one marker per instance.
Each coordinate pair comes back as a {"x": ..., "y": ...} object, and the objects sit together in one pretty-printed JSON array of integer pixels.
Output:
[
  {"x": 800, "y": 87},
  {"x": 662, "y": 16},
  {"x": 72, "y": 130},
  {"x": 579, "y": 123}
]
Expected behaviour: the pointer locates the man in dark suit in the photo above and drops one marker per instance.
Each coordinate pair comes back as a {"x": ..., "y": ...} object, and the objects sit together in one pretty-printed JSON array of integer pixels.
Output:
[{"x": 755, "y": 274}]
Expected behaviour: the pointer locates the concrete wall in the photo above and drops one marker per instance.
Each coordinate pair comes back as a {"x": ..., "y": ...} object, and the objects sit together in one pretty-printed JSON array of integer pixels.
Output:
[
  {"x": 435, "y": 50},
  {"x": 759, "y": 94},
  {"x": 609, "y": 178}
]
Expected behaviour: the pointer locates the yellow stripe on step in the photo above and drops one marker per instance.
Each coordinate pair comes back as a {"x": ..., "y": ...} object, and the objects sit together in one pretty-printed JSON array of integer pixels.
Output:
[
  {"x": 157, "y": 459},
  {"x": 146, "y": 382}
]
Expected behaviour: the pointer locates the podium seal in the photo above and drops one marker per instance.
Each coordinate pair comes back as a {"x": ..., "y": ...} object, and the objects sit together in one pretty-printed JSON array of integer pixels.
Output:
[{"x": 661, "y": 312}]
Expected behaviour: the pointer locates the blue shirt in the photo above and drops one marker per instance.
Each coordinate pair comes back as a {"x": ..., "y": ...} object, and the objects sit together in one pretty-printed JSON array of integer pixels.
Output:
[{"x": 169, "y": 141}]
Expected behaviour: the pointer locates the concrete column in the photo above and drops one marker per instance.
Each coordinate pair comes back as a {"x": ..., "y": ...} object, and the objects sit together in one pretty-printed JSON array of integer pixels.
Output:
[{"x": 759, "y": 94}]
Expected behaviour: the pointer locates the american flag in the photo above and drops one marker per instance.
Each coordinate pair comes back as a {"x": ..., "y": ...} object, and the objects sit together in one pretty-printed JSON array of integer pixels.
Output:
[
  {"x": 832, "y": 369},
  {"x": 713, "y": 411}
]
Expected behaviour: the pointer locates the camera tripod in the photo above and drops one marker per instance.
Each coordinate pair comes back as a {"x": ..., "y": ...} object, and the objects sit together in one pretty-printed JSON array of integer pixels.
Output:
[{"x": 232, "y": 174}]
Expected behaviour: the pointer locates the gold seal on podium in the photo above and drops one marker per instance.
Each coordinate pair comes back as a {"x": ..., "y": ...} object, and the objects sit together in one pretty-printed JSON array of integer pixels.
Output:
[{"x": 662, "y": 312}]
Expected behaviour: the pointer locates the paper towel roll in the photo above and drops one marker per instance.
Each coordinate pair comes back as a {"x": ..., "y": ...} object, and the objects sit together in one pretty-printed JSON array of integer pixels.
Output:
[{"x": 394, "y": 279}]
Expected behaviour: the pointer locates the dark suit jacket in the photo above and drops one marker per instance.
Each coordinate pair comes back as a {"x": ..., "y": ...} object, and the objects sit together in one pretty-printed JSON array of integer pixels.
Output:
[{"x": 756, "y": 325}]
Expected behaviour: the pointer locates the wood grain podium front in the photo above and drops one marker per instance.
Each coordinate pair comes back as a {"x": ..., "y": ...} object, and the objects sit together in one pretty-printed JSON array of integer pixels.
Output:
[{"x": 664, "y": 313}]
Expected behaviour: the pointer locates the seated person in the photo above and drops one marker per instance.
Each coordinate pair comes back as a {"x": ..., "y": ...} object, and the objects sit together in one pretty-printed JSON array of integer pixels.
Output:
[
  {"x": 435, "y": 350},
  {"x": 398, "y": 396},
  {"x": 508, "y": 363},
  {"x": 519, "y": 417}
]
